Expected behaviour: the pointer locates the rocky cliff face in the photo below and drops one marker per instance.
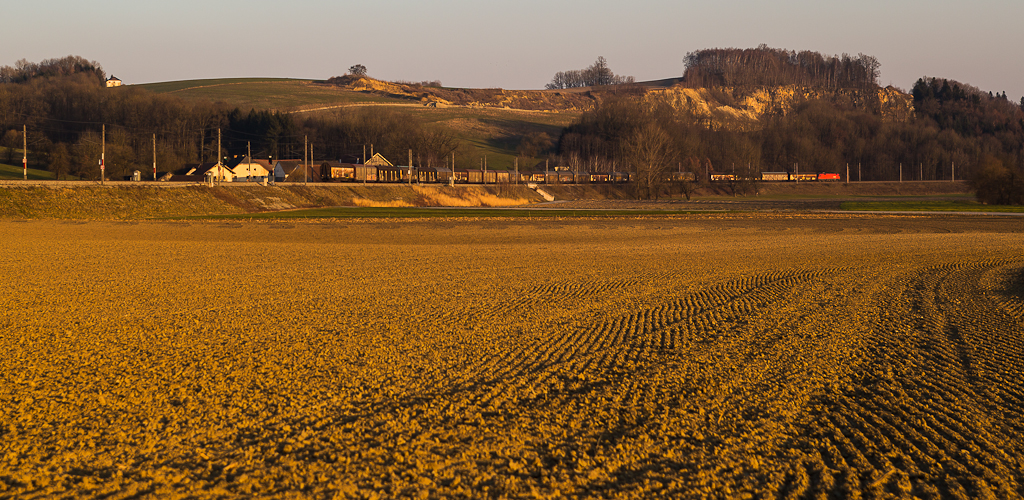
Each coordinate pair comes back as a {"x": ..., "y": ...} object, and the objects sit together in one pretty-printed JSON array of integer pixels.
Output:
[{"x": 743, "y": 108}]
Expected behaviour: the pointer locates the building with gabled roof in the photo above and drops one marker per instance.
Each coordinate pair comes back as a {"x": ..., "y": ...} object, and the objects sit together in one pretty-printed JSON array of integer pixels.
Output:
[
  {"x": 214, "y": 171},
  {"x": 378, "y": 160},
  {"x": 246, "y": 169}
]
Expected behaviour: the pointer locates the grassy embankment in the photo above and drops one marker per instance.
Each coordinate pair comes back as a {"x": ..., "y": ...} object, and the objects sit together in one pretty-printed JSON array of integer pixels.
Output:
[{"x": 143, "y": 201}]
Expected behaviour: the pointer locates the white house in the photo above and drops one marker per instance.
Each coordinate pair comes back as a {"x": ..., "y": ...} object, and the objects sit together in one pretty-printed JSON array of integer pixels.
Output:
[
  {"x": 246, "y": 169},
  {"x": 212, "y": 171}
]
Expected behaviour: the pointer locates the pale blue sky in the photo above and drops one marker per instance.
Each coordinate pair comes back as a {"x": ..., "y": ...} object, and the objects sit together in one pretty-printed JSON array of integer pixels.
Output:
[{"x": 510, "y": 44}]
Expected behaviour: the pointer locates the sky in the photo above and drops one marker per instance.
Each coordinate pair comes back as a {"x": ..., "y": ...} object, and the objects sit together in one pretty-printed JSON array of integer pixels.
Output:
[{"x": 510, "y": 44}]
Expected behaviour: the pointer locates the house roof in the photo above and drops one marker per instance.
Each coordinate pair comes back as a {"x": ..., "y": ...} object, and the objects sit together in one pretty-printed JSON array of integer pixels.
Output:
[
  {"x": 379, "y": 160},
  {"x": 203, "y": 168},
  {"x": 236, "y": 163}
]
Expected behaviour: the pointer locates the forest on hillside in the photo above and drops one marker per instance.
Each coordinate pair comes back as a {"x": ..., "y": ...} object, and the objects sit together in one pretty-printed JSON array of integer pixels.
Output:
[
  {"x": 769, "y": 67},
  {"x": 955, "y": 126}
]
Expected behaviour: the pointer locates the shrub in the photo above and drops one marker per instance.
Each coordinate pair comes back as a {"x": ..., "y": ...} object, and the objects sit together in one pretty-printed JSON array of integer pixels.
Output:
[{"x": 995, "y": 184}]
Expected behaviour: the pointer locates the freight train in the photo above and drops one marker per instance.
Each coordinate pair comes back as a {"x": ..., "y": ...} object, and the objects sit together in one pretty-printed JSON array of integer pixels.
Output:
[{"x": 346, "y": 172}]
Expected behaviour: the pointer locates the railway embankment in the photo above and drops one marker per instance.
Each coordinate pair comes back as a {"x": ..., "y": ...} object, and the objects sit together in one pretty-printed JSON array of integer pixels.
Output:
[{"x": 134, "y": 200}]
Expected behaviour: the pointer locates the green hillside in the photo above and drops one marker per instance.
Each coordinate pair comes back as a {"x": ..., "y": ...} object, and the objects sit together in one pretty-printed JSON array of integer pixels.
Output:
[
  {"x": 483, "y": 131},
  {"x": 16, "y": 172},
  {"x": 278, "y": 94}
]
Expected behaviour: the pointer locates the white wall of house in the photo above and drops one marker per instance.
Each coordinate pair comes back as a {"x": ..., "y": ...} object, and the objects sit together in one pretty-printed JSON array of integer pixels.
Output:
[{"x": 253, "y": 171}]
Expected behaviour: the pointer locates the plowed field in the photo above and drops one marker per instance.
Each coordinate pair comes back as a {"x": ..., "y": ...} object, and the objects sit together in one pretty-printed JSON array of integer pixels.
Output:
[{"x": 731, "y": 356}]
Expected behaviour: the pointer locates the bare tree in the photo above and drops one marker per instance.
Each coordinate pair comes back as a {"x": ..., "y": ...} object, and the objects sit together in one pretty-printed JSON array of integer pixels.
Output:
[
  {"x": 357, "y": 70},
  {"x": 650, "y": 150},
  {"x": 60, "y": 161}
]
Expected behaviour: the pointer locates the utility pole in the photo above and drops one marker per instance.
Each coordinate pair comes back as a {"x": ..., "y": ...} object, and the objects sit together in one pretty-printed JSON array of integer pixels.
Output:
[
  {"x": 922, "y": 170},
  {"x": 219, "y": 172},
  {"x": 952, "y": 167},
  {"x": 545, "y": 171},
  {"x": 248, "y": 165},
  {"x": 517, "y": 169},
  {"x": 364, "y": 154},
  {"x": 847, "y": 173},
  {"x": 103, "y": 155},
  {"x": 154, "y": 157},
  {"x": 901, "y": 172},
  {"x": 859, "y": 177},
  {"x": 485, "y": 169},
  {"x": 797, "y": 171},
  {"x": 451, "y": 178},
  {"x": 305, "y": 158},
  {"x": 24, "y": 150},
  {"x": 410, "y": 167}
]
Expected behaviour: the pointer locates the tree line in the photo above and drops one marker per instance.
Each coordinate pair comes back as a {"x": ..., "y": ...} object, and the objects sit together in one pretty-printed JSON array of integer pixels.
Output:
[
  {"x": 65, "y": 113},
  {"x": 765, "y": 66},
  {"x": 954, "y": 126},
  {"x": 23, "y": 70},
  {"x": 596, "y": 74}
]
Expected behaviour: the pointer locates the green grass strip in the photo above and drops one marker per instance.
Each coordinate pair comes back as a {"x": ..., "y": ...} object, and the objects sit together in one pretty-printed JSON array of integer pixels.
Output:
[
  {"x": 418, "y": 213},
  {"x": 926, "y": 206}
]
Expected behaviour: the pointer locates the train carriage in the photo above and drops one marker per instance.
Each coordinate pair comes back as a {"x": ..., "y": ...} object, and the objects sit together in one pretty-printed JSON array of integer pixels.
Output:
[
  {"x": 682, "y": 176},
  {"x": 433, "y": 175},
  {"x": 366, "y": 173},
  {"x": 828, "y": 177},
  {"x": 620, "y": 177},
  {"x": 774, "y": 176},
  {"x": 391, "y": 173},
  {"x": 337, "y": 172}
]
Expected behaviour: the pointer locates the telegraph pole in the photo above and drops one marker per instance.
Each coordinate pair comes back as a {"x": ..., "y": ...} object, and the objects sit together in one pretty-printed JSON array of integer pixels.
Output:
[
  {"x": 305, "y": 159},
  {"x": 410, "y": 167},
  {"x": 952, "y": 166},
  {"x": 103, "y": 155},
  {"x": 248, "y": 165},
  {"x": 219, "y": 173},
  {"x": 847, "y": 173},
  {"x": 154, "y": 157},
  {"x": 517, "y": 169},
  {"x": 24, "y": 150},
  {"x": 901, "y": 172}
]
